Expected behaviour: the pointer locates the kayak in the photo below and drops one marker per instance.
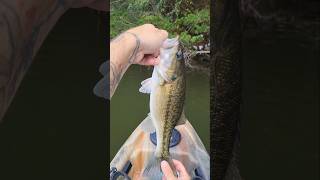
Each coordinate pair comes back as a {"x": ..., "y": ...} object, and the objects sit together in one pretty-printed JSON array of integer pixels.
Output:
[{"x": 185, "y": 146}]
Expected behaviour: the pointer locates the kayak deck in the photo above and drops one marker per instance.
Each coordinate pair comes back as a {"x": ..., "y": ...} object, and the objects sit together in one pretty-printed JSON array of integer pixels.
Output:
[{"x": 138, "y": 149}]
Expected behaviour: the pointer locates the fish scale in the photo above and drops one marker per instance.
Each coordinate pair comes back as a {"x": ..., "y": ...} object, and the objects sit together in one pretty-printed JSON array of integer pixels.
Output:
[{"x": 173, "y": 109}]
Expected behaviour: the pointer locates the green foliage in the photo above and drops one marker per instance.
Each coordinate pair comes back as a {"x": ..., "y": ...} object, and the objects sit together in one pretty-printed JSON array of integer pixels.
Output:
[
  {"x": 191, "y": 25},
  {"x": 138, "y": 5},
  {"x": 159, "y": 21}
]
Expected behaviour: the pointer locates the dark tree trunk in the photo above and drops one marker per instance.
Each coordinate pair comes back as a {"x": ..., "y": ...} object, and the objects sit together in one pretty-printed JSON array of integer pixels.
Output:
[{"x": 225, "y": 89}]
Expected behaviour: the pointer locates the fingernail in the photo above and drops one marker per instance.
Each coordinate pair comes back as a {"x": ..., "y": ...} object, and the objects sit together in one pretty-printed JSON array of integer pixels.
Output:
[
  {"x": 163, "y": 162},
  {"x": 156, "y": 61}
]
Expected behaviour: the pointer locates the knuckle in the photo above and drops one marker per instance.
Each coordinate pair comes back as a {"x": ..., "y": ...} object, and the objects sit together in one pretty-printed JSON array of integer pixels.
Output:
[
  {"x": 149, "y": 25},
  {"x": 164, "y": 33}
]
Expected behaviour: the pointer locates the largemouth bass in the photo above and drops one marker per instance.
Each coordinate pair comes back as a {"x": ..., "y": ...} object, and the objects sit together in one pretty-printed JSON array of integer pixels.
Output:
[{"x": 167, "y": 94}]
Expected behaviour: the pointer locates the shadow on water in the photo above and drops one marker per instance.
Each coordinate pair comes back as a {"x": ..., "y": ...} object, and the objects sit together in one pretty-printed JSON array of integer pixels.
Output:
[{"x": 129, "y": 107}]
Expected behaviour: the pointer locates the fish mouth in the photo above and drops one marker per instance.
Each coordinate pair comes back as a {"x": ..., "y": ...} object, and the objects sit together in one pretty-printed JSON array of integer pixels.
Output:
[
  {"x": 170, "y": 43},
  {"x": 167, "y": 47}
]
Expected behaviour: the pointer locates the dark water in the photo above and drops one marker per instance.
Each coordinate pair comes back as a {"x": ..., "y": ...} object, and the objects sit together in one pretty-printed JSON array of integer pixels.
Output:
[
  {"x": 55, "y": 127},
  {"x": 129, "y": 107},
  {"x": 280, "y": 123}
]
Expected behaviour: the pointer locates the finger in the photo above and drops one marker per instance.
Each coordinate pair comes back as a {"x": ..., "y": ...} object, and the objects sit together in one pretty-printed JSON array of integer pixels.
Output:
[
  {"x": 167, "y": 172},
  {"x": 149, "y": 25},
  {"x": 157, "y": 60},
  {"x": 150, "y": 60},
  {"x": 163, "y": 34},
  {"x": 180, "y": 167},
  {"x": 138, "y": 58},
  {"x": 156, "y": 54}
]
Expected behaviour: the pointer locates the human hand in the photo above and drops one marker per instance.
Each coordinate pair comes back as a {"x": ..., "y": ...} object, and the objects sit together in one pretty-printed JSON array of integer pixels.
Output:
[
  {"x": 151, "y": 39},
  {"x": 168, "y": 174}
]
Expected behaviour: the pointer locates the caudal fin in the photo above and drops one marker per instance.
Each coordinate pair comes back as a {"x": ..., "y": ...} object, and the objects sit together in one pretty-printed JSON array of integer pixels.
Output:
[{"x": 153, "y": 169}]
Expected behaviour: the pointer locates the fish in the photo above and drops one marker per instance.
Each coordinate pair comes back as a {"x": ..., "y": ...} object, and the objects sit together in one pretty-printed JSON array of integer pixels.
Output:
[{"x": 167, "y": 89}]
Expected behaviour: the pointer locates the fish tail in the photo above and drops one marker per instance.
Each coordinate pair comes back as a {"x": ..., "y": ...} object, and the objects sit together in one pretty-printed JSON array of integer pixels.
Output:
[
  {"x": 172, "y": 166},
  {"x": 153, "y": 168}
]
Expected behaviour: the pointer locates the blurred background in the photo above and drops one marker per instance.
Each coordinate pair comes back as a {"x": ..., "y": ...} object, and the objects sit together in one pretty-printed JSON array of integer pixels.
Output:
[
  {"x": 56, "y": 128},
  {"x": 280, "y": 68}
]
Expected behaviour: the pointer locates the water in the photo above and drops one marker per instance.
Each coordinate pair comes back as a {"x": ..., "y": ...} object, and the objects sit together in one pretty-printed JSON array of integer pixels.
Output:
[{"x": 129, "y": 107}]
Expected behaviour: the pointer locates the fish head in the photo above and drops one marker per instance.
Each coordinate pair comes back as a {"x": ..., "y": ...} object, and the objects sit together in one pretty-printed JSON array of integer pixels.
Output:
[{"x": 171, "y": 64}]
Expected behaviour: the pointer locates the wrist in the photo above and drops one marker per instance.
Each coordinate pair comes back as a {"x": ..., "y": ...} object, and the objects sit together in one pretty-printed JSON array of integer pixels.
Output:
[
  {"x": 123, "y": 49},
  {"x": 136, "y": 44},
  {"x": 120, "y": 66}
]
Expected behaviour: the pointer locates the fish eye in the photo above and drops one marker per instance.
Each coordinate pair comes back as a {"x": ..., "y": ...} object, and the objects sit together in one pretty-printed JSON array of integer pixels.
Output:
[{"x": 179, "y": 55}]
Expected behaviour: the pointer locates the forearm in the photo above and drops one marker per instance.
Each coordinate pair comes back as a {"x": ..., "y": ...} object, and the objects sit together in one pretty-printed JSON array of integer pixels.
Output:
[
  {"x": 123, "y": 50},
  {"x": 23, "y": 27}
]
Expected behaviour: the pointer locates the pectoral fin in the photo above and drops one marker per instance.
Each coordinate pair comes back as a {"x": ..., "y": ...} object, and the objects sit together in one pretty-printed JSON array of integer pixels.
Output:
[{"x": 146, "y": 86}]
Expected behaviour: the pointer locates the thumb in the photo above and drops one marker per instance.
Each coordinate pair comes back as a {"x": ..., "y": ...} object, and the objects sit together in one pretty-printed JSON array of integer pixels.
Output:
[
  {"x": 167, "y": 172},
  {"x": 149, "y": 60},
  {"x": 181, "y": 169}
]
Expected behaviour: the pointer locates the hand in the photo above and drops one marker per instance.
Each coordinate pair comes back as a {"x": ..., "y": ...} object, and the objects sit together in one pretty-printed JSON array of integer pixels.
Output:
[
  {"x": 139, "y": 45},
  {"x": 168, "y": 174},
  {"x": 151, "y": 39}
]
